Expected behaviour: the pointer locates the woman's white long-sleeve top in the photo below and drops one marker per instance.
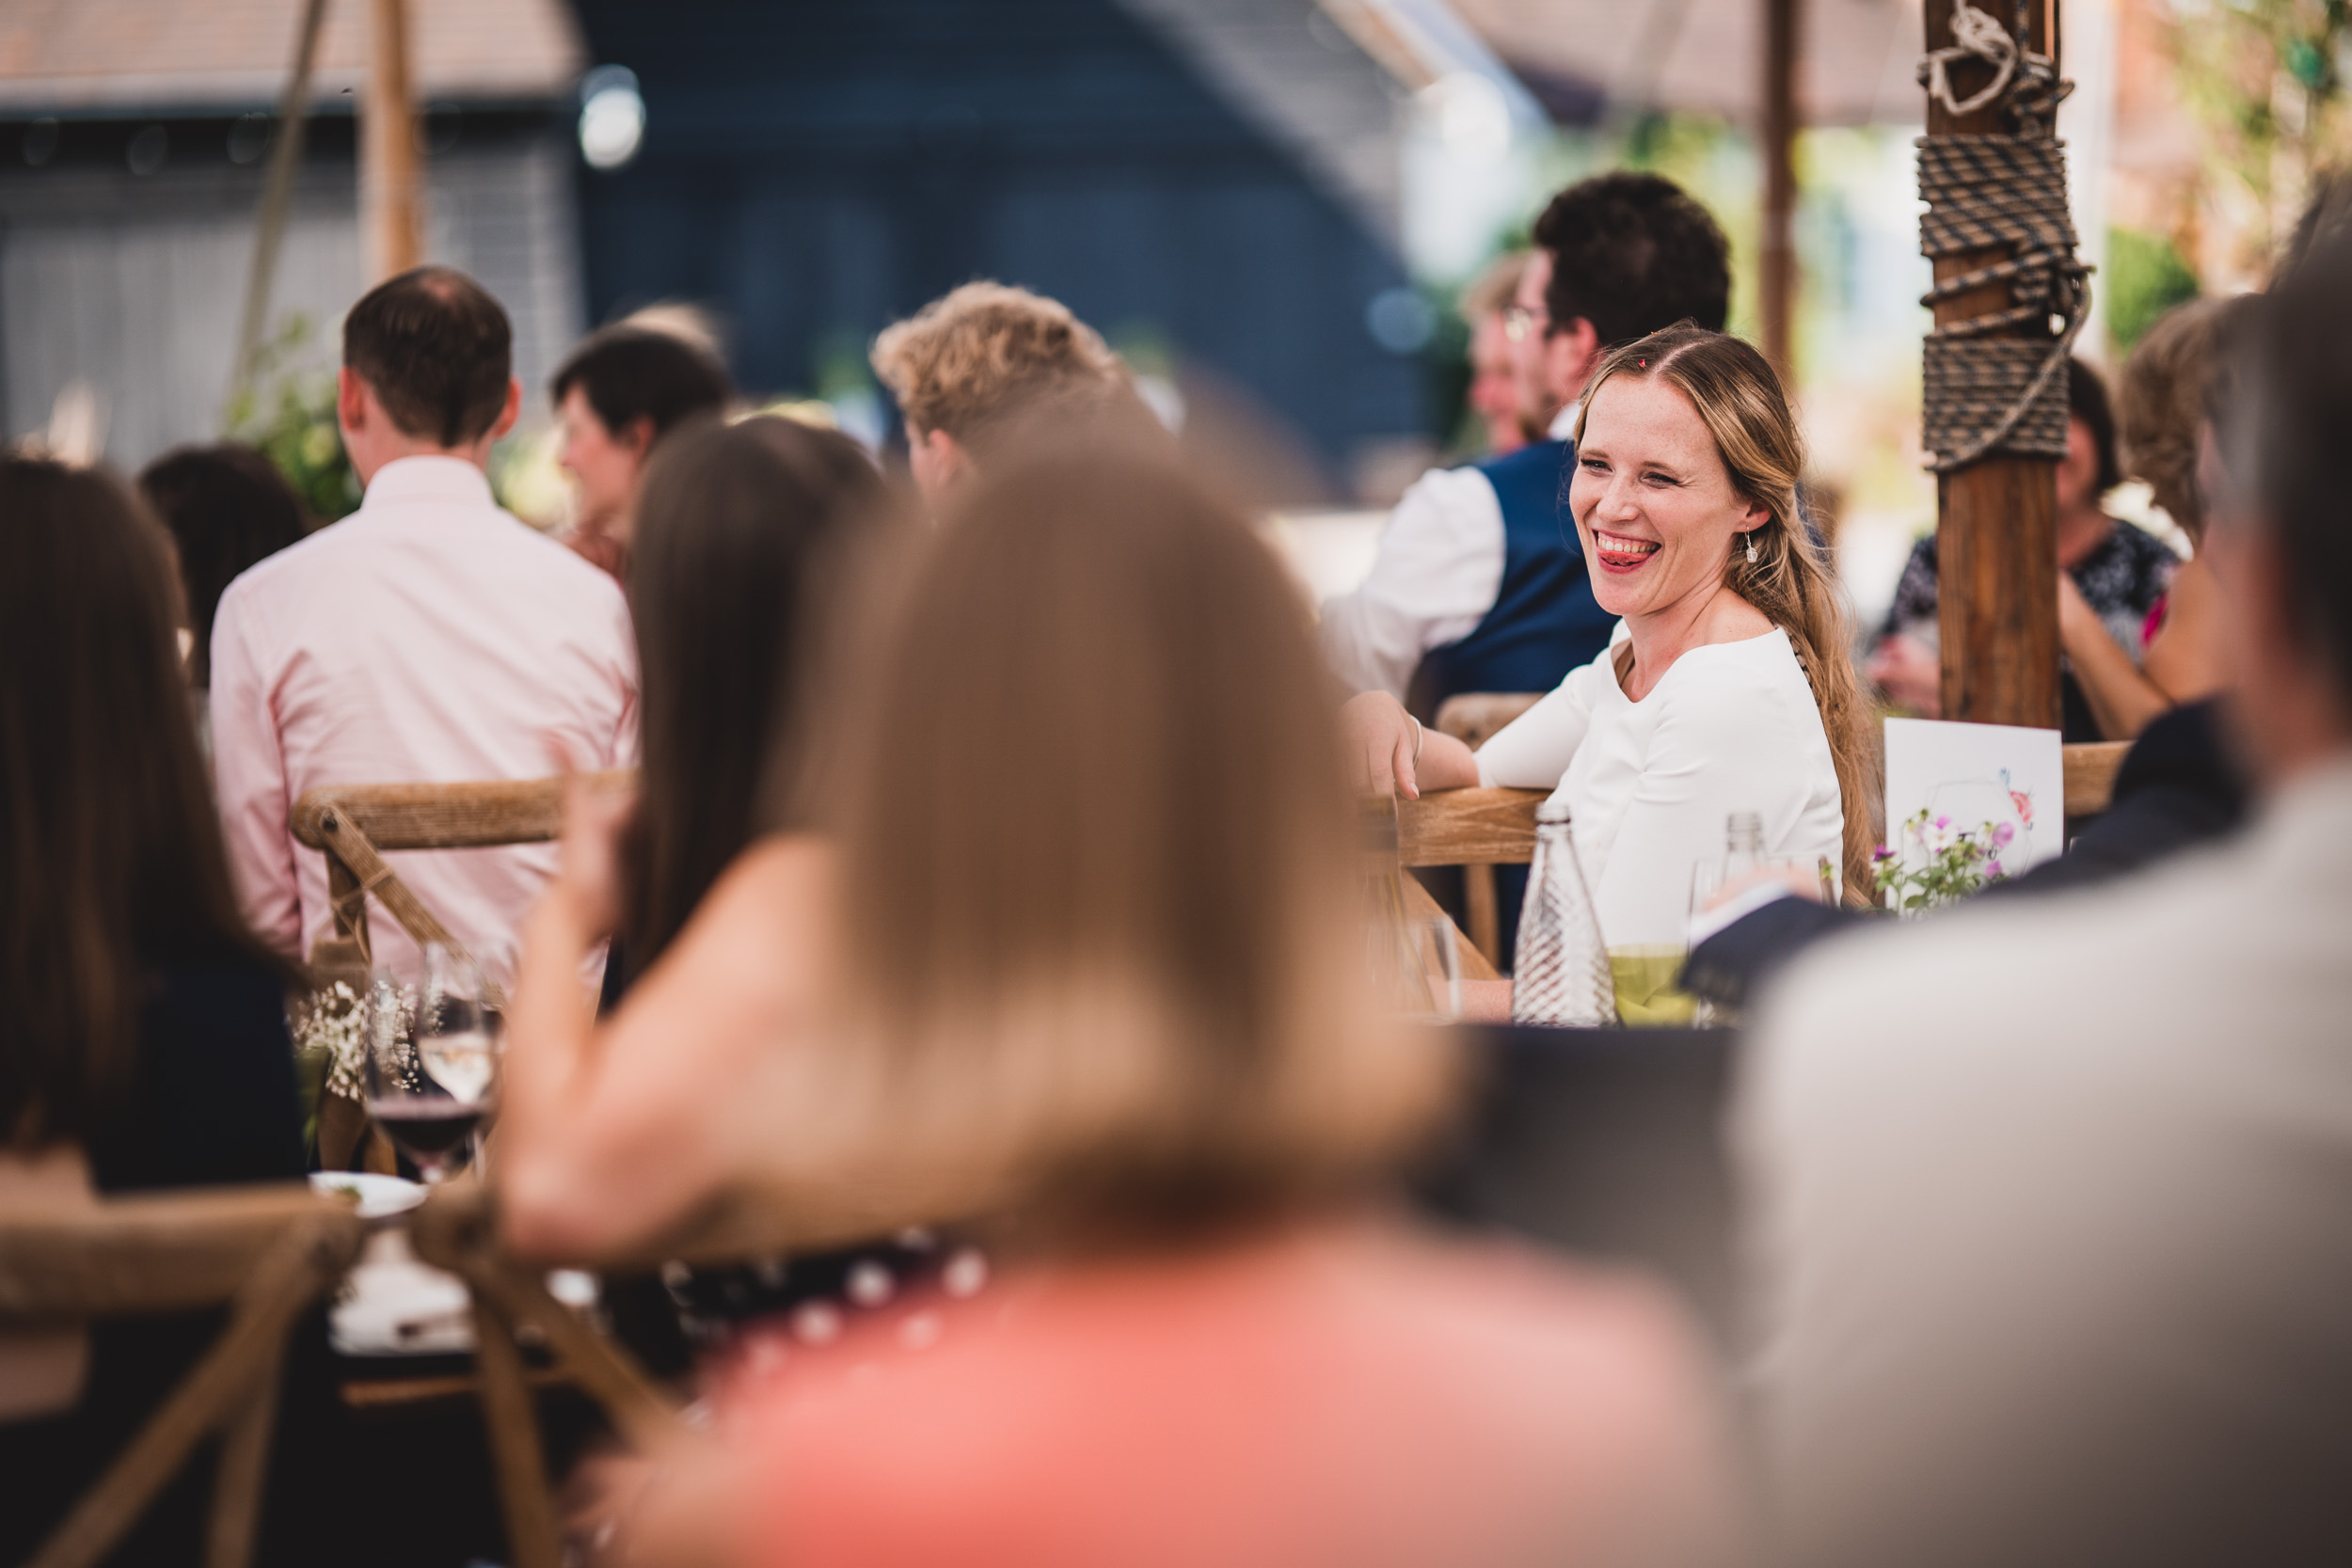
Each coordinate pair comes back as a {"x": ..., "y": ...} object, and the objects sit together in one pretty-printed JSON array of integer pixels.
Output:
[{"x": 1731, "y": 727}]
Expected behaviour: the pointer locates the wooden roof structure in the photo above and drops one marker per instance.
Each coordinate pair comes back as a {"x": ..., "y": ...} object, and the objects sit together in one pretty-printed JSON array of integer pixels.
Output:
[
  {"x": 1853, "y": 65},
  {"x": 100, "y": 57}
]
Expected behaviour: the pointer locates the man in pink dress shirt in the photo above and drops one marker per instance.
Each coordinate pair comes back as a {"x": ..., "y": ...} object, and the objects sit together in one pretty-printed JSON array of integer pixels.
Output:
[{"x": 428, "y": 637}]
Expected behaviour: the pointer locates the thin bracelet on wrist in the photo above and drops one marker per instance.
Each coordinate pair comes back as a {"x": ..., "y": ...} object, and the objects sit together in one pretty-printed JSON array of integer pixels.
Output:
[{"x": 1419, "y": 735}]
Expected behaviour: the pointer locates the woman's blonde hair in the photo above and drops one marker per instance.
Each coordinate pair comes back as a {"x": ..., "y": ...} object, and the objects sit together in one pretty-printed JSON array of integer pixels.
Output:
[
  {"x": 1098, "y": 866},
  {"x": 1746, "y": 411}
]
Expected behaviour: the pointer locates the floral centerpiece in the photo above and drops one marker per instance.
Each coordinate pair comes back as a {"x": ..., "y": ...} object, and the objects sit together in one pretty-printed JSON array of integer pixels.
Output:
[{"x": 1943, "y": 864}]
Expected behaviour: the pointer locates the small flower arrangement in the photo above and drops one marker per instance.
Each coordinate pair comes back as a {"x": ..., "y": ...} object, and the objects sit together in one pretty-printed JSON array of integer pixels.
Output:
[
  {"x": 1951, "y": 863},
  {"x": 335, "y": 1026}
]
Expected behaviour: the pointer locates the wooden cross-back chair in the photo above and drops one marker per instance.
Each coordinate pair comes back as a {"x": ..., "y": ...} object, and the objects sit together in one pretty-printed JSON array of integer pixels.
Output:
[
  {"x": 1473, "y": 718},
  {"x": 1481, "y": 828},
  {"x": 265, "y": 1252},
  {"x": 457, "y": 1230},
  {"x": 356, "y": 825}
]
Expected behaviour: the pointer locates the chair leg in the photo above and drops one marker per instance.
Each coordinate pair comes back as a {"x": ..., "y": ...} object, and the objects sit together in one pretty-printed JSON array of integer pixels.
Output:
[
  {"x": 243, "y": 1471},
  {"x": 606, "y": 1372},
  {"x": 531, "y": 1540},
  {"x": 1478, "y": 904},
  {"x": 294, "y": 1272}
]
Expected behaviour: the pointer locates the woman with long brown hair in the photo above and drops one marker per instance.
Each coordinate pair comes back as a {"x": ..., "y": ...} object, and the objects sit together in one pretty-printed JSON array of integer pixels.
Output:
[
  {"x": 1101, "y": 994},
  {"x": 1729, "y": 688},
  {"x": 738, "y": 529},
  {"x": 143, "y": 1038}
]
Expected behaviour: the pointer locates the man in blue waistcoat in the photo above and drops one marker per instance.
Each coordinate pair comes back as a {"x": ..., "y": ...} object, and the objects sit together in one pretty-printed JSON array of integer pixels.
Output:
[
  {"x": 1480, "y": 584},
  {"x": 1479, "y": 572}
]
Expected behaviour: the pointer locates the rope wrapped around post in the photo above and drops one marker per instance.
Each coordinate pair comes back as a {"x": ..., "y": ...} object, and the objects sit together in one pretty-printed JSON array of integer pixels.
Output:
[{"x": 1981, "y": 393}]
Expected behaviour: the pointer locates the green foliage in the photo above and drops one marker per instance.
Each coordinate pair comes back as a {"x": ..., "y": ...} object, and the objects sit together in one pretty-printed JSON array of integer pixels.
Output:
[
  {"x": 289, "y": 412},
  {"x": 2145, "y": 278},
  {"x": 2266, "y": 78}
]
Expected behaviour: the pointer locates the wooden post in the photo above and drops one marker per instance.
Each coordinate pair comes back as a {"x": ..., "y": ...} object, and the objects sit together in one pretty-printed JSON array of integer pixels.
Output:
[
  {"x": 1997, "y": 520},
  {"x": 294, "y": 106},
  {"x": 391, "y": 195},
  {"x": 1777, "y": 261}
]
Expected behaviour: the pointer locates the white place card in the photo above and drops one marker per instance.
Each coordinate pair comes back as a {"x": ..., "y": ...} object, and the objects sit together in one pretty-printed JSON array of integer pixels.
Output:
[{"x": 1971, "y": 775}]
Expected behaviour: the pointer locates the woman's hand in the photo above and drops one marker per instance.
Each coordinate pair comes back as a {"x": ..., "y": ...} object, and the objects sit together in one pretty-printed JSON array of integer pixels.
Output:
[
  {"x": 589, "y": 880},
  {"x": 1381, "y": 741}
]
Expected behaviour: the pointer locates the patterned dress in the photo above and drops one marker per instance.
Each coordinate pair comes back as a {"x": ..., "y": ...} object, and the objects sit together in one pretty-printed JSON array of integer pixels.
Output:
[{"x": 2124, "y": 582}]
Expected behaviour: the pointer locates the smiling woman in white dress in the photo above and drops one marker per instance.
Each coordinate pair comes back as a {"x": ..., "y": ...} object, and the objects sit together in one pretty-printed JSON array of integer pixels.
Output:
[{"x": 1728, "y": 687}]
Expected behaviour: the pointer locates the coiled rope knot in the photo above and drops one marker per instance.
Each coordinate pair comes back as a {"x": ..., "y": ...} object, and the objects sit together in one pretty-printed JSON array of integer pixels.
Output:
[{"x": 1982, "y": 393}]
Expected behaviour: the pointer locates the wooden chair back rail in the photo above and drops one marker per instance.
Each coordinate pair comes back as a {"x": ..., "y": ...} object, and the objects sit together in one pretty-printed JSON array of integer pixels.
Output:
[
  {"x": 446, "y": 815},
  {"x": 1473, "y": 718},
  {"x": 2091, "y": 772},
  {"x": 267, "y": 1252},
  {"x": 1497, "y": 827},
  {"x": 162, "y": 1253}
]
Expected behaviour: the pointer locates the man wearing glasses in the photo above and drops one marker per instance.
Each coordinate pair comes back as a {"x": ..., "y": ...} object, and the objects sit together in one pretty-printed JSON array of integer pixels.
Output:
[{"x": 1479, "y": 583}]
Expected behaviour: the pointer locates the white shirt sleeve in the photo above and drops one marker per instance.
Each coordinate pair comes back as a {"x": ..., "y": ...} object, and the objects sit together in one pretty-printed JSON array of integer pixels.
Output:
[
  {"x": 1532, "y": 750},
  {"x": 1436, "y": 575}
]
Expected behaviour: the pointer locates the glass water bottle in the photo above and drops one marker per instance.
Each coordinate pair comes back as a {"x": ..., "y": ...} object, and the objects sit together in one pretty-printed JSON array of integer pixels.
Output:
[{"x": 1560, "y": 969}]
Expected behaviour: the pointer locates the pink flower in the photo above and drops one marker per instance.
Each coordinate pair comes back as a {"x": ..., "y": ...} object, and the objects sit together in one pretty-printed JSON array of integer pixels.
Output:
[
  {"x": 1992, "y": 868},
  {"x": 1943, "y": 821},
  {"x": 2002, "y": 835},
  {"x": 1881, "y": 853}
]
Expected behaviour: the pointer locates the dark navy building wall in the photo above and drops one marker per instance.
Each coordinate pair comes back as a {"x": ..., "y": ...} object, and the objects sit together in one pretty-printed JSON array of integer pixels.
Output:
[{"x": 814, "y": 169}]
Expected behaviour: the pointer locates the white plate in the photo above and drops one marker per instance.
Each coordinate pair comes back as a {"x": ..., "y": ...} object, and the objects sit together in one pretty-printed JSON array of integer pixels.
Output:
[{"x": 379, "y": 1196}]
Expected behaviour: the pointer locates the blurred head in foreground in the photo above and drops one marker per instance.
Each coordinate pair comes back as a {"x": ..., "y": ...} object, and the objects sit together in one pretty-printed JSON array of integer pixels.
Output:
[
  {"x": 737, "y": 528},
  {"x": 112, "y": 858},
  {"x": 1098, "y": 891},
  {"x": 2279, "y": 543},
  {"x": 621, "y": 391},
  {"x": 1098, "y": 931},
  {"x": 987, "y": 371},
  {"x": 227, "y": 507}
]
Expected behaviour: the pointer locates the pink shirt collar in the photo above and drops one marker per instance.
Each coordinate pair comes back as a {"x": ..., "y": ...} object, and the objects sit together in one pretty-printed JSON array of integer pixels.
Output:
[{"x": 427, "y": 479}]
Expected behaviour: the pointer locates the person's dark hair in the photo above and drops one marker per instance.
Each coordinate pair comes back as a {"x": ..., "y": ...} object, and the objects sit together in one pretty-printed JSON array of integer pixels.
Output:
[
  {"x": 2286, "y": 443},
  {"x": 632, "y": 372},
  {"x": 112, "y": 858},
  {"x": 738, "y": 530},
  {"x": 1633, "y": 254},
  {"x": 227, "y": 507},
  {"x": 439, "y": 351},
  {"x": 2087, "y": 401}
]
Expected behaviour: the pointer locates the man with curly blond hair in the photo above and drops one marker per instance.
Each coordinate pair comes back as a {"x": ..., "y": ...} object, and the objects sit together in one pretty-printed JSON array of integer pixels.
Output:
[{"x": 986, "y": 366}]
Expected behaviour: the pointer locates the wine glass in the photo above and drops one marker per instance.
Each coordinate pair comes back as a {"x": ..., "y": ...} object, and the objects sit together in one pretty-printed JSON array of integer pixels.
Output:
[{"x": 432, "y": 1061}]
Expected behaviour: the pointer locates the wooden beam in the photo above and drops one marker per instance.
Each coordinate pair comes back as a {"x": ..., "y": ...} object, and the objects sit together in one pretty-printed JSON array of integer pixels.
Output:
[
  {"x": 1777, "y": 258},
  {"x": 391, "y": 189},
  {"x": 285, "y": 160},
  {"x": 1997, "y": 520},
  {"x": 1468, "y": 827}
]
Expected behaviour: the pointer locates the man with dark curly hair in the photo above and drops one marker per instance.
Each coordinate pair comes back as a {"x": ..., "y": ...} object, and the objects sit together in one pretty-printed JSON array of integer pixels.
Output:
[{"x": 1479, "y": 583}]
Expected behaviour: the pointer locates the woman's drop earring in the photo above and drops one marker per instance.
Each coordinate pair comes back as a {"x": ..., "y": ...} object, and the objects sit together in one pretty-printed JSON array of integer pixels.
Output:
[{"x": 1751, "y": 549}]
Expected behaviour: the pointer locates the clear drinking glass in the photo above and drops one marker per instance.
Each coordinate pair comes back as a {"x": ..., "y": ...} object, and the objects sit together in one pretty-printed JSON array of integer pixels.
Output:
[
  {"x": 432, "y": 1060},
  {"x": 1437, "y": 953}
]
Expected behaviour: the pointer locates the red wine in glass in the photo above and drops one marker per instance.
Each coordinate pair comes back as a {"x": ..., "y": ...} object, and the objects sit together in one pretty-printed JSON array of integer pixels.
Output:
[{"x": 429, "y": 1128}]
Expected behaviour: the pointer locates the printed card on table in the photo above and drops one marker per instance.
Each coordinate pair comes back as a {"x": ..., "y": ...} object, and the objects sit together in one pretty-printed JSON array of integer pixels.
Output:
[{"x": 1977, "y": 778}]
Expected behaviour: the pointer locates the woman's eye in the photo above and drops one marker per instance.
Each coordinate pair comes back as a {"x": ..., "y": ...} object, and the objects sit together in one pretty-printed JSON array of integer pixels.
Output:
[{"x": 1592, "y": 465}]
